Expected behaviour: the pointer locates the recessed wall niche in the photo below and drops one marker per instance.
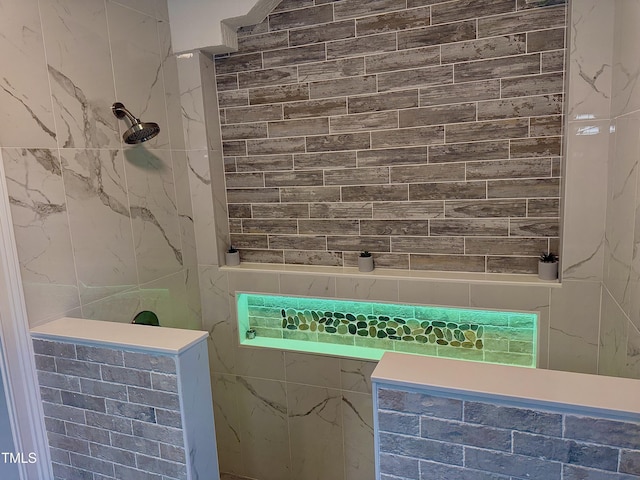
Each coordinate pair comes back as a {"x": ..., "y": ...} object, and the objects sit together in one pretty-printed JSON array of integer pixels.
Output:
[{"x": 428, "y": 133}]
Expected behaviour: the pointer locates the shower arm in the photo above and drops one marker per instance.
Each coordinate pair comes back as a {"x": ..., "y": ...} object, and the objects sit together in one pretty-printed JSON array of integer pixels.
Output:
[{"x": 120, "y": 111}]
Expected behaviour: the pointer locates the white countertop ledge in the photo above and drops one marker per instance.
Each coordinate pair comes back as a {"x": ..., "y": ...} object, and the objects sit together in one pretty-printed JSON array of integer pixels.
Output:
[
  {"x": 524, "y": 385},
  {"x": 137, "y": 337}
]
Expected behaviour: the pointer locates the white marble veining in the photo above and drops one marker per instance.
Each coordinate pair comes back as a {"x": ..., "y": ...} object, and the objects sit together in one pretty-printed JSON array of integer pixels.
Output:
[
  {"x": 626, "y": 67},
  {"x": 613, "y": 338}
]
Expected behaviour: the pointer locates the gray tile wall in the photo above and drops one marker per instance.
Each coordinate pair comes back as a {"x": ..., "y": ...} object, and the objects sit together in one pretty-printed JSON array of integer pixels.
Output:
[
  {"x": 110, "y": 412},
  {"x": 427, "y": 437},
  {"x": 427, "y": 132}
]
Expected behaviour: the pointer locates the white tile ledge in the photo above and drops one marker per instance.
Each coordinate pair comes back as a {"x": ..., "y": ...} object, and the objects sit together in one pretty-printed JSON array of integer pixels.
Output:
[
  {"x": 522, "y": 385},
  {"x": 137, "y": 337},
  {"x": 388, "y": 273}
]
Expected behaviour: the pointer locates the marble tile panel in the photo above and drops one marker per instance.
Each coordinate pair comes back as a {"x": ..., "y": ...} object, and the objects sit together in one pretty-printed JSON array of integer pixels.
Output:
[
  {"x": 191, "y": 103},
  {"x": 417, "y": 77},
  {"x": 402, "y": 20},
  {"x": 383, "y": 101},
  {"x": 520, "y": 107},
  {"x": 632, "y": 367},
  {"x": 324, "y": 160},
  {"x": 356, "y": 176},
  {"x": 277, "y": 94},
  {"x": 465, "y": 9},
  {"x": 100, "y": 222},
  {"x": 355, "y": 375},
  {"x": 340, "y": 210},
  {"x": 292, "y": 210},
  {"x": 170, "y": 78},
  {"x": 357, "y": 421},
  {"x": 364, "y": 121},
  {"x": 315, "y": 108},
  {"x": 536, "y": 147},
  {"x": 322, "y": 33},
  {"x": 301, "y": 18},
  {"x": 361, "y": 8},
  {"x": 584, "y": 229},
  {"x": 288, "y": 128},
  {"x": 328, "y": 227},
  {"x": 469, "y": 151},
  {"x": 408, "y": 137},
  {"x": 450, "y": 263},
  {"x": 371, "y": 193},
  {"x": 154, "y": 217},
  {"x": 364, "y": 289},
  {"x": 408, "y": 210},
  {"x": 428, "y": 173},
  {"x": 167, "y": 298},
  {"x": 121, "y": 307},
  {"x": 41, "y": 227},
  {"x": 392, "y": 156},
  {"x": 302, "y": 257},
  {"x": 485, "y": 208},
  {"x": 625, "y": 97},
  {"x": 316, "y": 412},
  {"x": 264, "y": 163},
  {"x": 310, "y": 194},
  {"x": 613, "y": 335},
  {"x": 144, "y": 88},
  {"x": 573, "y": 345},
  {"x": 447, "y": 191},
  {"x": 345, "y": 67},
  {"x": 26, "y": 115},
  {"x": 437, "y": 35},
  {"x": 262, "y": 425},
  {"x": 267, "y": 77},
  {"x": 316, "y": 370},
  {"x": 437, "y": 115},
  {"x": 523, "y": 188},
  {"x": 522, "y": 21},
  {"x": 413, "y": 58},
  {"x": 406, "y": 244},
  {"x": 348, "y": 141},
  {"x": 342, "y": 86},
  {"x": 471, "y": 91},
  {"x": 294, "y": 55},
  {"x": 225, "y": 411},
  {"x": 369, "y": 243}
]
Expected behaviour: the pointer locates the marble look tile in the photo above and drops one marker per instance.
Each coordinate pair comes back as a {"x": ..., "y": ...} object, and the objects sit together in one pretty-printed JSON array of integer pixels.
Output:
[
  {"x": 76, "y": 36},
  {"x": 307, "y": 285},
  {"x": 355, "y": 375},
  {"x": 621, "y": 209},
  {"x": 367, "y": 289},
  {"x": 632, "y": 368},
  {"x": 357, "y": 424},
  {"x": 141, "y": 88},
  {"x": 626, "y": 67},
  {"x": 315, "y": 413},
  {"x": 590, "y": 59},
  {"x": 455, "y": 294},
  {"x": 318, "y": 370},
  {"x": 100, "y": 222},
  {"x": 191, "y": 102},
  {"x": 121, "y": 307},
  {"x": 202, "y": 203},
  {"x": 167, "y": 298},
  {"x": 41, "y": 226},
  {"x": 583, "y": 229},
  {"x": 171, "y": 80},
  {"x": 217, "y": 318},
  {"x": 148, "y": 7},
  {"x": 573, "y": 346},
  {"x": 154, "y": 216},
  {"x": 225, "y": 410},
  {"x": 614, "y": 326},
  {"x": 210, "y": 102},
  {"x": 25, "y": 99},
  {"x": 262, "y": 422}
]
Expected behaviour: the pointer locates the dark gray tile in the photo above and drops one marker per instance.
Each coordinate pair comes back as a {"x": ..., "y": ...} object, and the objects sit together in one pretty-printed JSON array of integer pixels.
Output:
[
  {"x": 284, "y": 225},
  {"x": 154, "y": 363},
  {"x": 361, "y": 8},
  {"x": 522, "y": 21},
  {"x": 470, "y": 227},
  {"x": 516, "y": 168},
  {"x": 465, "y": 9},
  {"x": 530, "y": 227},
  {"x": 268, "y": 77},
  {"x": 294, "y": 55},
  {"x": 357, "y": 176},
  {"x": 65, "y": 471},
  {"x": 438, "y": 471},
  {"x": 536, "y": 147},
  {"x": 392, "y": 156},
  {"x": 103, "y": 389},
  {"x": 253, "y": 195},
  {"x": 226, "y": 82},
  {"x": 109, "y": 422},
  {"x": 264, "y": 41},
  {"x": 45, "y": 363},
  {"x": 130, "y": 410},
  {"x": 254, "y": 114},
  {"x": 466, "y": 434},
  {"x": 77, "y": 368},
  {"x": 238, "y": 63},
  {"x": 255, "y": 29},
  {"x": 325, "y": 160},
  {"x": 465, "y": 92},
  {"x": 54, "y": 349},
  {"x": 364, "y": 121},
  {"x": 514, "y": 465},
  {"x": 502, "y": 46},
  {"x": 383, "y": 101},
  {"x": 543, "y": 207},
  {"x": 329, "y": 227},
  {"x": 262, "y": 256},
  {"x": 316, "y": 108},
  {"x": 526, "y": 4},
  {"x": 438, "y": 115},
  {"x": 310, "y": 194},
  {"x": 349, "y": 141},
  {"x": 249, "y": 241},
  {"x": 394, "y": 227},
  {"x": 301, "y": 18},
  {"x": 415, "y": 78},
  {"x": 545, "y": 187},
  {"x": 277, "y": 94},
  {"x": 154, "y": 398},
  {"x": 261, "y": 163},
  {"x": 371, "y": 193},
  {"x": 448, "y": 245},
  {"x": 273, "y": 146},
  {"x": 340, "y": 210},
  {"x": 513, "y": 264},
  {"x": 447, "y": 191},
  {"x": 344, "y": 67},
  {"x": 469, "y": 151},
  {"x": 234, "y": 148},
  {"x": 437, "y": 35},
  {"x": 307, "y": 126},
  {"x": 342, "y": 86},
  {"x": 519, "y": 419},
  {"x": 163, "y": 467},
  {"x": 533, "y": 85},
  {"x": 292, "y": 5},
  {"x": 546, "y": 40},
  {"x": 127, "y": 473},
  {"x": 395, "y": 422},
  {"x": 408, "y": 137},
  {"x": 497, "y": 68},
  {"x": 90, "y": 434},
  {"x": 420, "y": 448},
  {"x": 422, "y": 404},
  {"x": 323, "y": 33},
  {"x": 629, "y": 462},
  {"x": 301, "y": 257},
  {"x": 413, "y": 58},
  {"x": 401, "y": 20},
  {"x": 86, "y": 402},
  {"x": 358, "y": 243},
  {"x": 240, "y": 131},
  {"x": 63, "y": 442},
  {"x": 384, "y": 42},
  {"x": 520, "y": 107},
  {"x": 545, "y": 126},
  {"x": 493, "y": 130},
  {"x": 56, "y": 380},
  {"x": 505, "y": 246},
  {"x": 236, "y": 180},
  {"x": 485, "y": 208},
  {"x": 398, "y": 465},
  {"x": 572, "y": 472},
  {"x": 417, "y": 210},
  {"x": 100, "y": 355},
  {"x": 381, "y": 260},
  {"x": 126, "y": 376},
  {"x": 553, "y": 61},
  {"x": 297, "y": 242},
  {"x": 290, "y": 210},
  {"x": 115, "y": 455},
  {"x": 438, "y": 172}
]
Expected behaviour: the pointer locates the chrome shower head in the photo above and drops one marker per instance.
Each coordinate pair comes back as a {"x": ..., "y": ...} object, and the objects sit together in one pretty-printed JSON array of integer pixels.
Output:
[{"x": 139, "y": 131}]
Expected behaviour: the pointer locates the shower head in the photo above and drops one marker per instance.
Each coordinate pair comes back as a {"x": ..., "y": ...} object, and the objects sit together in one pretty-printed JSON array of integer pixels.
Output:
[{"x": 139, "y": 131}]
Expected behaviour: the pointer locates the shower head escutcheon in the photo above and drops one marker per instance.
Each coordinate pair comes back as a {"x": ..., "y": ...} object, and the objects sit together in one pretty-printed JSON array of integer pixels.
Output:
[{"x": 139, "y": 131}]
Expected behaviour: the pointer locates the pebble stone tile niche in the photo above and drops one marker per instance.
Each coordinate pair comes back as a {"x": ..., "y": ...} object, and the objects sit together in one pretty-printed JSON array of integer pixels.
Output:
[{"x": 368, "y": 329}]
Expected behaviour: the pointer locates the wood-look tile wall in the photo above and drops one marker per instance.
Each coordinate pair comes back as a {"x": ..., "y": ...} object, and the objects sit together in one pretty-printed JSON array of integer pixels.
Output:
[{"x": 426, "y": 131}]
